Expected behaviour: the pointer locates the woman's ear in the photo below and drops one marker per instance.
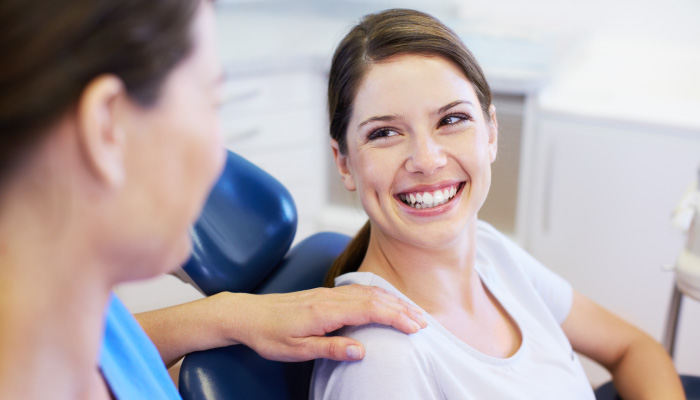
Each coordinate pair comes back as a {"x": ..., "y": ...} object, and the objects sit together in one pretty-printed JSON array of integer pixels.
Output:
[
  {"x": 102, "y": 139},
  {"x": 341, "y": 162},
  {"x": 493, "y": 133}
]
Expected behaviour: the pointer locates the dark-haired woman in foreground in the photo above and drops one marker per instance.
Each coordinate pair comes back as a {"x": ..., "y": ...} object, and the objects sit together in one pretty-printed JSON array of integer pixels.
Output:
[
  {"x": 108, "y": 146},
  {"x": 414, "y": 133}
]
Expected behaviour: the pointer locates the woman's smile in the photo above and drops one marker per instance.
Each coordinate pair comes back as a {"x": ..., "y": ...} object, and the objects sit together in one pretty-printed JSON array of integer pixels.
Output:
[{"x": 429, "y": 198}]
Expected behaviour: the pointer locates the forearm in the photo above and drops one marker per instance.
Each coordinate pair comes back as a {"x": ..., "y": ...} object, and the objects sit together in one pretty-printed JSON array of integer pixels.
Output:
[
  {"x": 283, "y": 327},
  {"x": 640, "y": 367},
  {"x": 645, "y": 371},
  {"x": 194, "y": 326}
]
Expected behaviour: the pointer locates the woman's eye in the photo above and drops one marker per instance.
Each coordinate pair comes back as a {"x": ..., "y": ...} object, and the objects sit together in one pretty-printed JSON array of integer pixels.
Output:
[
  {"x": 381, "y": 133},
  {"x": 453, "y": 119}
]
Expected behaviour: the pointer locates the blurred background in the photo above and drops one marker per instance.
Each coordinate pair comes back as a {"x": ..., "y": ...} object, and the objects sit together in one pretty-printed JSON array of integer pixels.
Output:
[{"x": 598, "y": 105}]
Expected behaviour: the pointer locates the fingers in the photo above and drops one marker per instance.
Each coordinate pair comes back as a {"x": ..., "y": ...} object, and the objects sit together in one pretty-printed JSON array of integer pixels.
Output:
[
  {"x": 382, "y": 297},
  {"x": 335, "y": 348},
  {"x": 415, "y": 313},
  {"x": 372, "y": 304},
  {"x": 294, "y": 325},
  {"x": 403, "y": 320}
]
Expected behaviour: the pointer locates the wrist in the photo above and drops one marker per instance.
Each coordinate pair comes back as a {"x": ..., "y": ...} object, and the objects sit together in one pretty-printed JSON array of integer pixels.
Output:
[{"x": 229, "y": 318}]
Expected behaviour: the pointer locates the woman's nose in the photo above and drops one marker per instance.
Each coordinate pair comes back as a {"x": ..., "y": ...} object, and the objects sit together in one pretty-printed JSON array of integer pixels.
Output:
[{"x": 426, "y": 156}]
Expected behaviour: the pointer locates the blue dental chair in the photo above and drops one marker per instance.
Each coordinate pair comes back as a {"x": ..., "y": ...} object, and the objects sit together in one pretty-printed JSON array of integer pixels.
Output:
[{"x": 241, "y": 244}]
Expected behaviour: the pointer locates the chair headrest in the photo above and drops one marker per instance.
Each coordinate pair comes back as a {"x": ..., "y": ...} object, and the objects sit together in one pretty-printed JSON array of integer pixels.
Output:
[{"x": 247, "y": 226}]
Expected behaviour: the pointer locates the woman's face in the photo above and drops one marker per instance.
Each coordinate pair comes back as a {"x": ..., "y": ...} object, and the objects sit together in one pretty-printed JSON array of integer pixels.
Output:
[
  {"x": 175, "y": 153},
  {"x": 419, "y": 150}
]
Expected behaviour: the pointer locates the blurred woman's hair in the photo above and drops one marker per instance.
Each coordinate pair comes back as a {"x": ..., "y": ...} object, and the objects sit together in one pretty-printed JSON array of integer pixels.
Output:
[
  {"x": 52, "y": 49},
  {"x": 376, "y": 38}
]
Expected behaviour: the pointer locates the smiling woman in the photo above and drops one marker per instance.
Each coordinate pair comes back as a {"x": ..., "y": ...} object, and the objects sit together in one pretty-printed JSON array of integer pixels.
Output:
[{"x": 414, "y": 132}]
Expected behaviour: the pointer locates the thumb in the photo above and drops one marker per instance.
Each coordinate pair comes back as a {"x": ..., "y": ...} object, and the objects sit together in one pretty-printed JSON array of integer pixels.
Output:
[{"x": 336, "y": 348}]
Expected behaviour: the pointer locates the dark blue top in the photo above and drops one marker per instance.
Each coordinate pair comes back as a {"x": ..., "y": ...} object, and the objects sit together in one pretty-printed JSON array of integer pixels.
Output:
[{"x": 129, "y": 361}]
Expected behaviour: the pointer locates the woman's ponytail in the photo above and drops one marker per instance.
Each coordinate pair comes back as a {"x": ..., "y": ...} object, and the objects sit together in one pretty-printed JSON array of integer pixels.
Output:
[{"x": 350, "y": 259}]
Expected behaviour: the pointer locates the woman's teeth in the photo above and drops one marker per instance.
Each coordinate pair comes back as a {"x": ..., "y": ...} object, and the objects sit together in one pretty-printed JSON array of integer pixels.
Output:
[{"x": 429, "y": 199}]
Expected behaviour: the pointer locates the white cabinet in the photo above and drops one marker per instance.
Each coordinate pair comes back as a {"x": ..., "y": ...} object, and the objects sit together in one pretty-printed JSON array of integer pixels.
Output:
[
  {"x": 276, "y": 119},
  {"x": 599, "y": 199}
]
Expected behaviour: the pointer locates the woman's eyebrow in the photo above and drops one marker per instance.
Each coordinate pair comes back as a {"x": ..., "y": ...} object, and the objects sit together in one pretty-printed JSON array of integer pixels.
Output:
[
  {"x": 379, "y": 118},
  {"x": 395, "y": 117},
  {"x": 453, "y": 104}
]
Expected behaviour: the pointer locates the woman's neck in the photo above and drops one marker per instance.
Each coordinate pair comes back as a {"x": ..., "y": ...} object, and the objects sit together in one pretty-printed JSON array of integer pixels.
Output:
[
  {"x": 434, "y": 278},
  {"x": 444, "y": 282},
  {"x": 53, "y": 294}
]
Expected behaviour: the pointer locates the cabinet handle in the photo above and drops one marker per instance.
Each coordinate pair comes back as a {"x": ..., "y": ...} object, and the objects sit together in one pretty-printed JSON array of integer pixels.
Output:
[{"x": 547, "y": 188}]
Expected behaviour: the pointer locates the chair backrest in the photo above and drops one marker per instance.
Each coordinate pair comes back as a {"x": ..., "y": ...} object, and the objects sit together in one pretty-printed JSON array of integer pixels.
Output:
[
  {"x": 245, "y": 229},
  {"x": 241, "y": 244}
]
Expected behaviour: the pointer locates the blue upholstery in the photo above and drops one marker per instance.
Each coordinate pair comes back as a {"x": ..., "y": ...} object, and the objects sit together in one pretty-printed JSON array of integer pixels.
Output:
[
  {"x": 237, "y": 372},
  {"x": 691, "y": 385},
  {"x": 306, "y": 264},
  {"x": 246, "y": 227},
  {"x": 241, "y": 242}
]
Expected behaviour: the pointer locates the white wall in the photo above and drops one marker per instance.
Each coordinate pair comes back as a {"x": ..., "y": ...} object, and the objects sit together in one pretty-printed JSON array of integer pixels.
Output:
[{"x": 666, "y": 20}]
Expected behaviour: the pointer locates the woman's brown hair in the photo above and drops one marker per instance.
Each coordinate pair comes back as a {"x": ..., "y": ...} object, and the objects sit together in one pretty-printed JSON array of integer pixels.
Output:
[
  {"x": 376, "y": 38},
  {"x": 53, "y": 48}
]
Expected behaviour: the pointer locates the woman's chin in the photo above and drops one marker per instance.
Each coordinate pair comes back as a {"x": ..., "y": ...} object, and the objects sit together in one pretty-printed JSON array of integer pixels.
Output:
[
  {"x": 181, "y": 255},
  {"x": 167, "y": 260}
]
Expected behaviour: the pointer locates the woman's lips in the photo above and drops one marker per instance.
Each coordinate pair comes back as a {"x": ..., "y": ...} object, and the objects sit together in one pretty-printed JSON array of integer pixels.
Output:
[{"x": 430, "y": 199}]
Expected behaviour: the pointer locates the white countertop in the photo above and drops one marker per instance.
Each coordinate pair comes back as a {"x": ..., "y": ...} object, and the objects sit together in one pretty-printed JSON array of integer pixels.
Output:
[{"x": 628, "y": 80}]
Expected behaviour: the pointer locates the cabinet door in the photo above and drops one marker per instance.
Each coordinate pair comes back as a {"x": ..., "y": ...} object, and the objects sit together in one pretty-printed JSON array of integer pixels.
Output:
[
  {"x": 277, "y": 121},
  {"x": 600, "y": 217}
]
